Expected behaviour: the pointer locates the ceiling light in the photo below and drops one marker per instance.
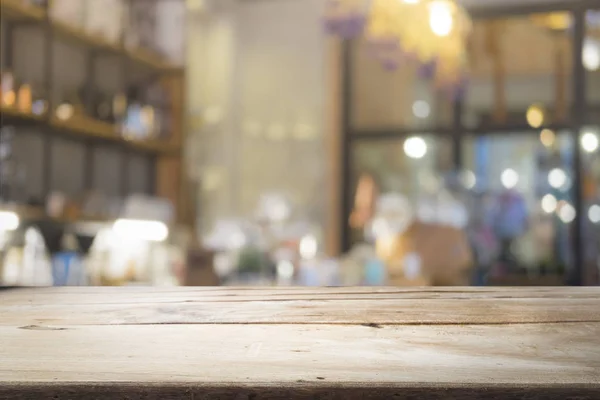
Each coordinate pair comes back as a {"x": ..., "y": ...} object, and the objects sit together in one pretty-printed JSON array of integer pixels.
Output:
[{"x": 441, "y": 20}]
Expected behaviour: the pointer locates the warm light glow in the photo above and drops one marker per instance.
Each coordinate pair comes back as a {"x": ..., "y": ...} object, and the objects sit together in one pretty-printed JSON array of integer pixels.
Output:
[
  {"x": 415, "y": 147},
  {"x": 547, "y": 137},
  {"x": 566, "y": 212},
  {"x": 308, "y": 247},
  {"x": 64, "y": 111},
  {"x": 509, "y": 178},
  {"x": 153, "y": 231},
  {"x": 431, "y": 34},
  {"x": 421, "y": 109},
  {"x": 535, "y": 116},
  {"x": 441, "y": 20},
  {"x": 276, "y": 132},
  {"x": 303, "y": 132},
  {"x": 557, "y": 178},
  {"x": 589, "y": 142},
  {"x": 9, "y": 221},
  {"x": 591, "y": 54},
  {"x": 252, "y": 128},
  {"x": 213, "y": 115},
  {"x": 9, "y": 98},
  {"x": 594, "y": 214},
  {"x": 549, "y": 204}
]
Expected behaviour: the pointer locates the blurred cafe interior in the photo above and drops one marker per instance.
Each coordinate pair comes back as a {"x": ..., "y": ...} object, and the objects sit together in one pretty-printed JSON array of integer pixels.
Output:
[{"x": 299, "y": 142}]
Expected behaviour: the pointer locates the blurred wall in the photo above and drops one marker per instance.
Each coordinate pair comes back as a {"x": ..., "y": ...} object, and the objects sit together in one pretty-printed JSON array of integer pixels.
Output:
[{"x": 256, "y": 103}]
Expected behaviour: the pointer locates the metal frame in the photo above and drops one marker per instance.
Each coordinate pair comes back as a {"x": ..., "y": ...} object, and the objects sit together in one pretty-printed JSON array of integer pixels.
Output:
[{"x": 458, "y": 130}]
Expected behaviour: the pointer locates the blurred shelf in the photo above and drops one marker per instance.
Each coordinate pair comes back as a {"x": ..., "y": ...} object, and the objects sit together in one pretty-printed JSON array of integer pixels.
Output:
[
  {"x": 89, "y": 128},
  {"x": 79, "y": 35},
  {"x": 20, "y": 11},
  {"x": 32, "y": 214},
  {"x": 94, "y": 129},
  {"x": 13, "y": 112}
]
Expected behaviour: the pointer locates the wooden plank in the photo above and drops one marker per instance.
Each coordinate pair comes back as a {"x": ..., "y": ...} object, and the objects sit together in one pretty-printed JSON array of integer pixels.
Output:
[
  {"x": 300, "y": 343},
  {"x": 258, "y": 359}
]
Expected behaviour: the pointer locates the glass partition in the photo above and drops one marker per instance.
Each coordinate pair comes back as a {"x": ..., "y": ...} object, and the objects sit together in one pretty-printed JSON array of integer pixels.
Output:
[{"x": 518, "y": 188}]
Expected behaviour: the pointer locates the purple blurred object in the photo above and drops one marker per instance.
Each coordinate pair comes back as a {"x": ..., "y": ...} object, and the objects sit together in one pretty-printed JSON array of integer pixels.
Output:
[
  {"x": 427, "y": 70},
  {"x": 390, "y": 64},
  {"x": 331, "y": 25},
  {"x": 352, "y": 26}
]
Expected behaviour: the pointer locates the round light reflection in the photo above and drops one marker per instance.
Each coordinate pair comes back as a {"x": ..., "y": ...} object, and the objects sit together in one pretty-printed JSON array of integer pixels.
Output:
[
  {"x": 509, "y": 178},
  {"x": 557, "y": 178},
  {"x": 566, "y": 212},
  {"x": 594, "y": 214},
  {"x": 589, "y": 142},
  {"x": 549, "y": 204},
  {"x": 547, "y": 137},
  {"x": 421, "y": 109},
  {"x": 415, "y": 147}
]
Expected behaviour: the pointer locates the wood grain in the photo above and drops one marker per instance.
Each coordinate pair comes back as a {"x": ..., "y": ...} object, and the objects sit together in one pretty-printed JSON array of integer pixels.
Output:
[{"x": 301, "y": 343}]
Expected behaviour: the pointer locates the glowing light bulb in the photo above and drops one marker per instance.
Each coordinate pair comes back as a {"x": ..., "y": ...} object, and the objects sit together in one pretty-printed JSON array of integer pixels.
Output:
[
  {"x": 509, "y": 178},
  {"x": 549, "y": 204},
  {"x": 589, "y": 142},
  {"x": 415, "y": 147},
  {"x": 441, "y": 19}
]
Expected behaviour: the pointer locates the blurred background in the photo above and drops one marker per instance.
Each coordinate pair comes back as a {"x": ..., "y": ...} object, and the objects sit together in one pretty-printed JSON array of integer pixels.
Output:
[{"x": 299, "y": 142}]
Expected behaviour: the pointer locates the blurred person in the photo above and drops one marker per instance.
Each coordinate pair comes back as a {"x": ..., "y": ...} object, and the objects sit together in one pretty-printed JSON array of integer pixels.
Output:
[{"x": 510, "y": 220}]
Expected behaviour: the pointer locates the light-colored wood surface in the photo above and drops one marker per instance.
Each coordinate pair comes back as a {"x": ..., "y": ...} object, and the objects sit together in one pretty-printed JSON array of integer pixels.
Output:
[{"x": 196, "y": 343}]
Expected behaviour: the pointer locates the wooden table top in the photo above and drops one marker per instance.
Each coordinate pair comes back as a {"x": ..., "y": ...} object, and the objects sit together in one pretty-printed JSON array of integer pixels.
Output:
[{"x": 300, "y": 343}]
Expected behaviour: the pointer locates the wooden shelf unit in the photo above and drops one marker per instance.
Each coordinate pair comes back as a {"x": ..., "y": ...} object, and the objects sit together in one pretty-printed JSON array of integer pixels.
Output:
[
  {"x": 19, "y": 11},
  {"x": 167, "y": 164}
]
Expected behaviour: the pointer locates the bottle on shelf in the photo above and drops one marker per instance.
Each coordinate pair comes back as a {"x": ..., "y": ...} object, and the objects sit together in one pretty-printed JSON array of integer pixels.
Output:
[
  {"x": 7, "y": 89},
  {"x": 103, "y": 110},
  {"x": 24, "y": 98},
  {"x": 39, "y": 104}
]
